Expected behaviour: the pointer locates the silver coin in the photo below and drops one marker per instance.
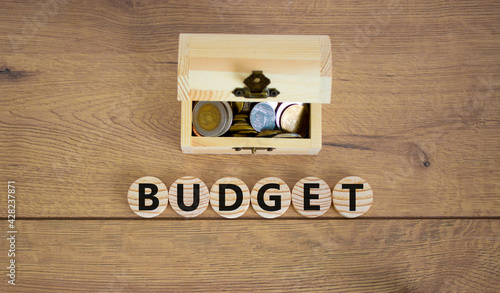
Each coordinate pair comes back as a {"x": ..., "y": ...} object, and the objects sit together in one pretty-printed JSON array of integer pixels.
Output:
[
  {"x": 262, "y": 117},
  {"x": 287, "y": 135},
  {"x": 229, "y": 118}
]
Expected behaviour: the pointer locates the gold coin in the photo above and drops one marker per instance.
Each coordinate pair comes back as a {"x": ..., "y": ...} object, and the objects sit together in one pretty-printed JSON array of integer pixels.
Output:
[
  {"x": 237, "y": 106},
  {"x": 240, "y": 117},
  {"x": 237, "y": 128},
  {"x": 239, "y": 122},
  {"x": 208, "y": 117},
  {"x": 212, "y": 118},
  {"x": 247, "y": 132},
  {"x": 295, "y": 119},
  {"x": 246, "y": 107},
  {"x": 269, "y": 133}
]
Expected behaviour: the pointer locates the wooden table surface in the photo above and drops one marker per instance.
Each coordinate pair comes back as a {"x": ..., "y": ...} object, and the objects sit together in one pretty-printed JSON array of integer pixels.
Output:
[{"x": 88, "y": 105}]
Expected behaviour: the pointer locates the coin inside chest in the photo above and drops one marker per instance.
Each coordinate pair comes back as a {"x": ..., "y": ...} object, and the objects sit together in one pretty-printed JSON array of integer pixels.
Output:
[{"x": 208, "y": 117}]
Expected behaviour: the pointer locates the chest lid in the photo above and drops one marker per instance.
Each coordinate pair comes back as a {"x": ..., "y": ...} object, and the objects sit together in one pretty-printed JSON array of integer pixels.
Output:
[{"x": 214, "y": 66}]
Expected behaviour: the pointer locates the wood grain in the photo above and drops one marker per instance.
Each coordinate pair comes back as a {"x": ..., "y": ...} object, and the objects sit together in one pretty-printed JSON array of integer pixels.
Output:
[
  {"x": 90, "y": 100},
  {"x": 211, "y": 66},
  {"x": 228, "y": 145},
  {"x": 188, "y": 183},
  {"x": 294, "y": 256},
  {"x": 363, "y": 198},
  {"x": 161, "y": 194},
  {"x": 319, "y": 197},
  {"x": 88, "y": 105},
  {"x": 275, "y": 200},
  {"x": 230, "y": 198}
]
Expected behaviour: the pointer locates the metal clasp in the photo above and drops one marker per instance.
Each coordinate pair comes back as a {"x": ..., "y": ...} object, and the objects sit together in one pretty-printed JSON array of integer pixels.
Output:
[
  {"x": 253, "y": 149},
  {"x": 256, "y": 88}
]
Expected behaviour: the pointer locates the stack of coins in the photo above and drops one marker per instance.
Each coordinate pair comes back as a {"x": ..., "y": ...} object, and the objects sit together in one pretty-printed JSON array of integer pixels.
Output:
[
  {"x": 241, "y": 126},
  {"x": 266, "y": 119}
]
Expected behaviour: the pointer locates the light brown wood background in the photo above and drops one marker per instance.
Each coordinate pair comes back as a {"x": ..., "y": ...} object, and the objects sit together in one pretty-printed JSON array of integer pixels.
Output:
[{"x": 88, "y": 105}]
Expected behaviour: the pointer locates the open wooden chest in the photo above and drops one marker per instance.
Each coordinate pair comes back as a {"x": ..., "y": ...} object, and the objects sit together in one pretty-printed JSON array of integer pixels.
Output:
[{"x": 211, "y": 66}]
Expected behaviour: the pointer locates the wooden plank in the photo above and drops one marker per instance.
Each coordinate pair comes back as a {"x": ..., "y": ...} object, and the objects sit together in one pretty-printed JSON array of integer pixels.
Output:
[
  {"x": 239, "y": 255},
  {"x": 77, "y": 130},
  {"x": 153, "y": 26},
  {"x": 88, "y": 103}
]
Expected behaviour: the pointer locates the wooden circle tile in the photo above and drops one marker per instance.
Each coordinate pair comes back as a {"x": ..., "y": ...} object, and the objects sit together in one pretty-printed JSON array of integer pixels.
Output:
[
  {"x": 281, "y": 193},
  {"x": 191, "y": 209},
  {"x": 161, "y": 195},
  {"x": 363, "y": 198},
  {"x": 230, "y": 211},
  {"x": 318, "y": 199}
]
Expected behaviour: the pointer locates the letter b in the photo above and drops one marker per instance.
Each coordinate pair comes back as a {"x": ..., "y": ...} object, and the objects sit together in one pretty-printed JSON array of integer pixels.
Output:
[
  {"x": 148, "y": 197},
  {"x": 143, "y": 196}
]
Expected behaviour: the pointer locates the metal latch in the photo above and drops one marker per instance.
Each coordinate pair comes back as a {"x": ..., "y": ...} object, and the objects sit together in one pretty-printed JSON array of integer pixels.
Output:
[
  {"x": 256, "y": 88},
  {"x": 253, "y": 149}
]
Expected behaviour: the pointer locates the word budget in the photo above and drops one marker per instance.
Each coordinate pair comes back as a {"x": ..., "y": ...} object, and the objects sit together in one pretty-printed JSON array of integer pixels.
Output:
[{"x": 230, "y": 197}]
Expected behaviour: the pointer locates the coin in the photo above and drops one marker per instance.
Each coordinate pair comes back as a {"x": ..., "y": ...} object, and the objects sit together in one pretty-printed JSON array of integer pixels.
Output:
[
  {"x": 281, "y": 108},
  {"x": 262, "y": 117},
  {"x": 248, "y": 132},
  {"x": 269, "y": 133},
  {"x": 229, "y": 118},
  {"x": 212, "y": 118},
  {"x": 240, "y": 118},
  {"x": 295, "y": 119},
  {"x": 237, "y": 107},
  {"x": 240, "y": 127},
  {"x": 247, "y": 106},
  {"x": 196, "y": 132},
  {"x": 208, "y": 117},
  {"x": 287, "y": 135}
]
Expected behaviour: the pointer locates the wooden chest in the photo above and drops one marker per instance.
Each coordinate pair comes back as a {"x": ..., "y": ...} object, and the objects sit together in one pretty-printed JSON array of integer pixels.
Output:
[{"x": 211, "y": 66}]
